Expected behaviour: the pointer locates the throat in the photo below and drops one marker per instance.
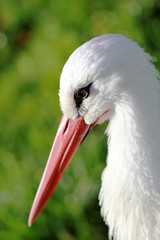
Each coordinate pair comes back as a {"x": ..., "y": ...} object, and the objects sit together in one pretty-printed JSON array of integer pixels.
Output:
[{"x": 131, "y": 181}]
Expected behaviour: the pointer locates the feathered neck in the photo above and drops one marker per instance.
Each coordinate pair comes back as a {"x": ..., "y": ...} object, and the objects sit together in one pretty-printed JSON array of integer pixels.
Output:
[{"x": 130, "y": 193}]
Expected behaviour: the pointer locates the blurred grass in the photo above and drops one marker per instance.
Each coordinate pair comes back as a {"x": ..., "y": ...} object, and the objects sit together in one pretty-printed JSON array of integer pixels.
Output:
[{"x": 36, "y": 38}]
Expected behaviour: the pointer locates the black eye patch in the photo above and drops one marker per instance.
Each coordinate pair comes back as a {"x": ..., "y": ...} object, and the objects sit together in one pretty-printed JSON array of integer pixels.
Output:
[{"x": 80, "y": 94}]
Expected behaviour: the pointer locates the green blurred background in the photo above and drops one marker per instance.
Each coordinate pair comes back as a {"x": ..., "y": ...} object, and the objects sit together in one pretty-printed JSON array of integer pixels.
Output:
[{"x": 36, "y": 38}]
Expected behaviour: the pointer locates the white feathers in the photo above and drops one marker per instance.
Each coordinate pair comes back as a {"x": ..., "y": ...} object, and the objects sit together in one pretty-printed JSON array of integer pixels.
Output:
[
  {"x": 129, "y": 198},
  {"x": 124, "y": 81}
]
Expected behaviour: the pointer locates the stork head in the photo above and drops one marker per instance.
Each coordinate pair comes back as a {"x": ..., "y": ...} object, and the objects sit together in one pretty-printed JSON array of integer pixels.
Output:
[
  {"x": 93, "y": 81},
  {"x": 99, "y": 74}
]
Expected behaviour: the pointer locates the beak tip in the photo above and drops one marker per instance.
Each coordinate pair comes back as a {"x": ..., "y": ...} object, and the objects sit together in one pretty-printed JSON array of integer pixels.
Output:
[
  {"x": 30, "y": 222},
  {"x": 31, "y": 219}
]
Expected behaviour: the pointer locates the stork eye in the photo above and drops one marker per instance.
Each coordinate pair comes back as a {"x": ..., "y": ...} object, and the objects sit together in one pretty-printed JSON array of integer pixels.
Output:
[{"x": 80, "y": 94}]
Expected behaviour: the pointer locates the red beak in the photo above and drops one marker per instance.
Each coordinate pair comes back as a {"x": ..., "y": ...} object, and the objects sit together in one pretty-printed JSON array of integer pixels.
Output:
[{"x": 69, "y": 136}]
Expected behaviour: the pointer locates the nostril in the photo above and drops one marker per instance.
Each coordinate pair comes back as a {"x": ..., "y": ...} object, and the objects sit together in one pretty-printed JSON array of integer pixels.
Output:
[{"x": 65, "y": 127}]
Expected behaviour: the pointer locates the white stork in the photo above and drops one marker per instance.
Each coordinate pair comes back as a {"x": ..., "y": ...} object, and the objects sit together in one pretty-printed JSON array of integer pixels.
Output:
[{"x": 111, "y": 77}]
